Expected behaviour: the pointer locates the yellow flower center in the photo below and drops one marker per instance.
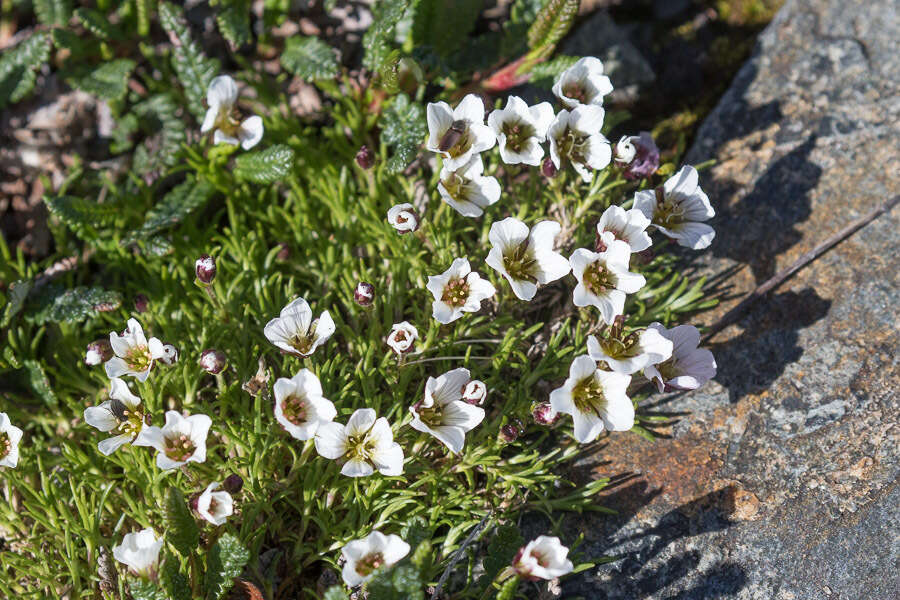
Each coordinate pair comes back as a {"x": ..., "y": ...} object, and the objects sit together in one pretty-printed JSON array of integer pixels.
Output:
[
  {"x": 456, "y": 292},
  {"x": 588, "y": 397}
]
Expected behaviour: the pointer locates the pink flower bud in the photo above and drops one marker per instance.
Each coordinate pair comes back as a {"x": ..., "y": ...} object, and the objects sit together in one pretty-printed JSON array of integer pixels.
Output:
[
  {"x": 212, "y": 361},
  {"x": 365, "y": 158},
  {"x": 364, "y": 293},
  {"x": 543, "y": 413},
  {"x": 98, "y": 351},
  {"x": 548, "y": 169},
  {"x": 206, "y": 269},
  {"x": 474, "y": 392},
  {"x": 141, "y": 303},
  {"x": 511, "y": 431}
]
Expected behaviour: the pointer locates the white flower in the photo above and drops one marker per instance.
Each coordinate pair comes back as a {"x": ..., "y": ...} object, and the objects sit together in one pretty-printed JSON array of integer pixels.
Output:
[
  {"x": 467, "y": 190},
  {"x": 525, "y": 258},
  {"x": 475, "y": 392},
  {"x": 365, "y": 443},
  {"x": 402, "y": 217},
  {"x": 443, "y": 413},
  {"x": 603, "y": 277},
  {"x": 372, "y": 552},
  {"x": 10, "y": 435},
  {"x": 402, "y": 337},
  {"x": 629, "y": 354},
  {"x": 180, "y": 441},
  {"x": 689, "y": 367},
  {"x": 295, "y": 331},
  {"x": 457, "y": 290},
  {"x": 626, "y": 225},
  {"x": 140, "y": 551},
  {"x": 122, "y": 414},
  {"x": 456, "y": 134},
  {"x": 520, "y": 130},
  {"x": 170, "y": 355},
  {"x": 215, "y": 506},
  {"x": 221, "y": 96},
  {"x": 542, "y": 558},
  {"x": 677, "y": 208},
  {"x": 582, "y": 83},
  {"x": 134, "y": 353},
  {"x": 575, "y": 138},
  {"x": 596, "y": 399},
  {"x": 299, "y": 405},
  {"x": 625, "y": 150}
]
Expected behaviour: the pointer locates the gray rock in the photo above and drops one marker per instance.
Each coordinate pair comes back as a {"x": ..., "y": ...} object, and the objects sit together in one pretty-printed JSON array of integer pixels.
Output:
[{"x": 779, "y": 481}]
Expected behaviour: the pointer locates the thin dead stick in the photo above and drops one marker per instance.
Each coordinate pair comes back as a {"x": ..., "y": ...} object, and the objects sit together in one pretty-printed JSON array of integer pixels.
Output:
[
  {"x": 732, "y": 315},
  {"x": 458, "y": 555},
  {"x": 424, "y": 360}
]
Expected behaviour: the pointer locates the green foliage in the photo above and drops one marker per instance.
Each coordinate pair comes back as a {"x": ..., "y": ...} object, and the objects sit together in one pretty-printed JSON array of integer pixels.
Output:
[
  {"x": 265, "y": 166},
  {"x": 233, "y": 19},
  {"x": 403, "y": 127},
  {"x": 81, "y": 215},
  {"x": 335, "y": 592},
  {"x": 15, "y": 299},
  {"x": 180, "y": 202},
  {"x": 544, "y": 74},
  {"x": 194, "y": 70},
  {"x": 55, "y": 304},
  {"x": 19, "y": 65},
  {"x": 37, "y": 378},
  {"x": 181, "y": 528},
  {"x": 508, "y": 589},
  {"x": 145, "y": 9},
  {"x": 551, "y": 25},
  {"x": 402, "y": 582},
  {"x": 377, "y": 39},
  {"x": 444, "y": 26},
  {"x": 225, "y": 562},
  {"x": 144, "y": 589},
  {"x": 96, "y": 23},
  {"x": 158, "y": 117},
  {"x": 52, "y": 12},
  {"x": 309, "y": 58},
  {"x": 176, "y": 584},
  {"x": 108, "y": 80},
  {"x": 502, "y": 549}
]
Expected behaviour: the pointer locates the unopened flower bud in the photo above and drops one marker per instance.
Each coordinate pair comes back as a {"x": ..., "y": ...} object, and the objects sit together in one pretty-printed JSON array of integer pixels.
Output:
[
  {"x": 284, "y": 253},
  {"x": 548, "y": 169},
  {"x": 365, "y": 158},
  {"x": 212, "y": 361},
  {"x": 364, "y": 293},
  {"x": 474, "y": 392},
  {"x": 625, "y": 150},
  {"x": 170, "y": 355},
  {"x": 98, "y": 351},
  {"x": 511, "y": 431},
  {"x": 141, "y": 302},
  {"x": 206, "y": 269},
  {"x": 193, "y": 502},
  {"x": 403, "y": 218},
  {"x": 638, "y": 155},
  {"x": 233, "y": 483},
  {"x": 543, "y": 413}
]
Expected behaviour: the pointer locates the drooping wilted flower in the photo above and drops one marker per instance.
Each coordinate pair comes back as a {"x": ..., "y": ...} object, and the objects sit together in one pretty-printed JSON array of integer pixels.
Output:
[
  {"x": 140, "y": 552},
  {"x": 364, "y": 294},
  {"x": 10, "y": 436},
  {"x": 458, "y": 133},
  {"x": 180, "y": 441},
  {"x": 222, "y": 96},
  {"x": 457, "y": 290},
  {"x": 402, "y": 337},
  {"x": 467, "y": 190},
  {"x": 542, "y": 558},
  {"x": 543, "y": 413},
  {"x": 296, "y": 332},
  {"x": 603, "y": 277},
  {"x": 629, "y": 226},
  {"x": 637, "y": 155},
  {"x": 596, "y": 400},
  {"x": 215, "y": 506},
  {"x": 689, "y": 367},
  {"x": 122, "y": 414},
  {"x": 299, "y": 405},
  {"x": 575, "y": 139},
  {"x": 475, "y": 392},
  {"x": 629, "y": 353},
  {"x": 134, "y": 353},
  {"x": 364, "y": 556},
  {"x": 520, "y": 130},
  {"x": 582, "y": 83},
  {"x": 365, "y": 443},
  {"x": 443, "y": 413},
  {"x": 403, "y": 218},
  {"x": 97, "y": 352},
  {"x": 526, "y": 258},
  {"x": 213, "y": 361},
  {"x": 677, "y": 209},
  {"x": 205, "y": 269}
]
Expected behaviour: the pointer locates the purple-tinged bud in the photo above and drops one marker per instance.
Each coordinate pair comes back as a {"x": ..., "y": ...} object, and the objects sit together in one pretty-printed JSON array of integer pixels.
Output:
[
  {"x": 284, "y": 253},
  {"x": 548, "y": 169},
  {"x": 543, "y": 413},
  {"x": 474, "y": 392},
  {"x": 206, "y": 269},
  {"x": 511, "y": 431},
  {"x": 213, "y": 361},
  {"x": 170, "y": 355},
  {"x": 638, "y": 155},
  {"x": 98, "y": 351},
  {"x": 364, "y": 293},
  {"x": 141, "y": 302},
  {"x": 233, "y": 483},
  {"x": 195, "y": 499},
  {"x": 365, "y": 158}
]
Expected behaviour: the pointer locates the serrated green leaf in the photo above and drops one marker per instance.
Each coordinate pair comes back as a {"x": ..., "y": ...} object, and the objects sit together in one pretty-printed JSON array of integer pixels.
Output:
[
  {"x": 403, "y": 127},
  {"x": 265, "y": 166},
  {"x": 402, "y": 582},
  {"x": 52, "y": 12},
  {"x": 180, "y": 202},
  {"x": 159, "y": 118},
  {"x": 445, "y": 26},
  {"x": 234, "y": 21},
  {"x": 551, "y": 25},
  {"x": 108, "y": 80},
  {"x": 19, "y": 65},
  {"x": 377, "y": 39},
  {"x": 193, "y": 68},
  {"x": 176, "y": 584},
  {"x": 15, "y": 299},
  {"x": 78, "y": 47},
  {"x": 501, "y": 550},
  {"x": 81, "y": 215},
  {"x": 145, "y": 9},
  {"x": 56, "y": 305},
  {"x": 309, "y": 58},
  {"x": 335, "y": 592},
  {"x": 96, "y": 23},
  {"x": 225, "y": 562},
  {"x": 37, "y": 377},
  {"x": 144, "y": 589},
  {"x": 181, "y": 528}
]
